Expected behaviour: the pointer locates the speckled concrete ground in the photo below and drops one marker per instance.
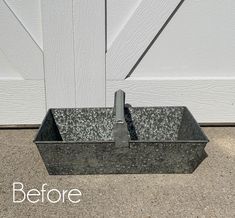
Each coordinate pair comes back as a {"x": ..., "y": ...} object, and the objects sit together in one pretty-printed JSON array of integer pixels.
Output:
[{"x": 208, "y": 192}]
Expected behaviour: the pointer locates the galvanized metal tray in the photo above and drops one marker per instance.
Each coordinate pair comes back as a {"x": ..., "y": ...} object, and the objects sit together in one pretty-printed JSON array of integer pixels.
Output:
[{"x": 122, "y": 139}]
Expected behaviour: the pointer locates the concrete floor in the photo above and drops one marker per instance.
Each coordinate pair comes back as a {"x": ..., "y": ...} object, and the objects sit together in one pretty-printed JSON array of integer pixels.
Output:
[{"x": 208, "y": 192}]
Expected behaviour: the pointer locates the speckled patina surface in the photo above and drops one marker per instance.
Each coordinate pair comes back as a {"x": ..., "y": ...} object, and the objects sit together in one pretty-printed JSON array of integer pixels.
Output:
[
  {"x": 96, "y": 124},
  {"x": 80, "y": 141},
  {"x": 84, "y": 124}
]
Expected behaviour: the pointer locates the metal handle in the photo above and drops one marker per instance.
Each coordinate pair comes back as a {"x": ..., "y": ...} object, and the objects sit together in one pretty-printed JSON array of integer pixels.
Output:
[
  {"x": 120, "y": 130},
  {"x": 119, "y": 104}
]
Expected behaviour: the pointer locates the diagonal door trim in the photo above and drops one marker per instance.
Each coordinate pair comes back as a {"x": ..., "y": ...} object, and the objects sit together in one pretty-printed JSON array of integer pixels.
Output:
[
  {"x": 23, "y": 53},
  {"x": 140, "y": 30}
]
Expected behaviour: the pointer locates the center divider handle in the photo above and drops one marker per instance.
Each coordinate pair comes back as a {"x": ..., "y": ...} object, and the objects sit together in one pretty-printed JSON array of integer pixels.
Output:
[{"x": 120, "y": 130}]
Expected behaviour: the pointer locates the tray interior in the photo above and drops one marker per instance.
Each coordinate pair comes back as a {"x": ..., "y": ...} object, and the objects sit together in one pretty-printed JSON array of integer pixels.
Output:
[{"x": 96, "y": 124}]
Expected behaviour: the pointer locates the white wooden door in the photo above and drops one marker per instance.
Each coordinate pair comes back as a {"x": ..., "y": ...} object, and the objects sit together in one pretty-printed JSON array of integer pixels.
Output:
[
  {"x": 52, "y": 54},
  {"x": 22, "y": 97},
  {"x": 172, "y": 52},
  {"x": 77, "y": 53}
]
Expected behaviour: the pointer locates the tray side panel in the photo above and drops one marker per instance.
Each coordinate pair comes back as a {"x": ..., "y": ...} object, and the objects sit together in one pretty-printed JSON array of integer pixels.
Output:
[
  {"x": 189, "y": 128},
  {"x": 48, "y": 131},
  {"x": 103, "y": 158}
]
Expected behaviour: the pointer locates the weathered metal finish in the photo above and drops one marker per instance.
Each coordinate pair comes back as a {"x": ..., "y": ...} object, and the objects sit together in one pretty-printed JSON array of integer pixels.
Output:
[
  {"x": 81, "y": 141},
  {"x": 120, "y": 131}
]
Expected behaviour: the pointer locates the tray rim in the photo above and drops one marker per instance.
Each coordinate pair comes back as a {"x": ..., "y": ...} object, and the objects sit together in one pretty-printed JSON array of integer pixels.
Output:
[{"x": 205, "y": 140}]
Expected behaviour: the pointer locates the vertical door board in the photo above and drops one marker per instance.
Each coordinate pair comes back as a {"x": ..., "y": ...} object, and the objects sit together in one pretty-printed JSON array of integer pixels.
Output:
[
  {"x": 57, "y": 21},
  {"x": 89, "y": 50},
  {"x": 74, "y": 52}
]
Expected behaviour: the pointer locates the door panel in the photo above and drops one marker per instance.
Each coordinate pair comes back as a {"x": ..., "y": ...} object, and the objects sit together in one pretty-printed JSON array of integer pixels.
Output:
[
  {"x": 21, "y": 71},
  {"x": 29, "y": 14},
  {"x": 160, "y": 52},
  {"x": 22, "y": 101},
  {"x": 198, "y": 42},
  {"x": 18, "y": 46},
  {"x": 176, "y": 53},
  {"x": 118, "y": 18},
  {"x": 210, "y": 101},
  {"x": 139, "y": 31}
]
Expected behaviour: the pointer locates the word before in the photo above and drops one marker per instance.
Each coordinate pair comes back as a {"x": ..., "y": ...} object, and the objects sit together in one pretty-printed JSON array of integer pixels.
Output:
[{"x": 51, "y": 195}]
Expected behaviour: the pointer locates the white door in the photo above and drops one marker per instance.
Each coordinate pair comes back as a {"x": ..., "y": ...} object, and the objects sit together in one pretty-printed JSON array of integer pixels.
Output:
[
  {"x": 52, "y": 54},
  {"x": 172, "y": 52},
  {"x": 77, "y": 53},
  {"x": 22, "y": 97}
]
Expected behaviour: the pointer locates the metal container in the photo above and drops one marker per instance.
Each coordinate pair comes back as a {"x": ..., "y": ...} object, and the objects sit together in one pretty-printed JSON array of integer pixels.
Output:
[{"x": 119, "y": 140}]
